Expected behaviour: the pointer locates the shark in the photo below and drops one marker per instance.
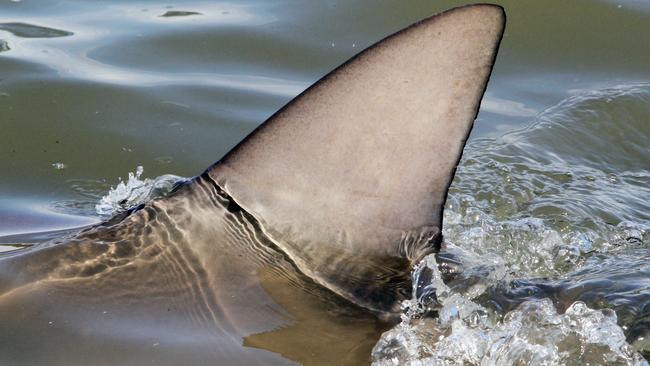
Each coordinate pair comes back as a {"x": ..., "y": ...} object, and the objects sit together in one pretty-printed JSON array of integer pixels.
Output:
[{"x": 296, "y": 247}]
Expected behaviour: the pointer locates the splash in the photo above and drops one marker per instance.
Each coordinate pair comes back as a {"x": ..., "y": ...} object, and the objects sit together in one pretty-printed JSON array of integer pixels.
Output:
[
  {"x": 547, "y": 234},
  {"x": 135, "y": 191},
  {"x": 466, "y": 333},
  {"x": 541, "y": 200}
]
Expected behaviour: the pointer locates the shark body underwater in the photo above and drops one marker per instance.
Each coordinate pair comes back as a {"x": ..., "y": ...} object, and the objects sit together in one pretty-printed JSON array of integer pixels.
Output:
[{"x": 289, "y": 249}]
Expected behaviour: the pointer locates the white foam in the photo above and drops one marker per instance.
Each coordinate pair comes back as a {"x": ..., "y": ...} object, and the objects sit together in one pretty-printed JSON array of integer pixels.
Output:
[
  {"x": 535, "y": 333},
  {"x": 134, "y": 191}
]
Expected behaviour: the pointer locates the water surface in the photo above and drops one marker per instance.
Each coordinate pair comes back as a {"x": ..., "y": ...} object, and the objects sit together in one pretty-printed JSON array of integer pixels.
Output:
[{"x": 550, "y": 200}]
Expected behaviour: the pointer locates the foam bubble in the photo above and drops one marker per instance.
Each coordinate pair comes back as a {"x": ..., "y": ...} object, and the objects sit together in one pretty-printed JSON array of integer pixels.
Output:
[{"x": 135, "y": 191}]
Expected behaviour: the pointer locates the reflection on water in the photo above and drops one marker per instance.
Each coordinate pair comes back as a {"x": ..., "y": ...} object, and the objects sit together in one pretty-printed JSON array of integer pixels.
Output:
[
  {"x": 8, "y": 247},
  {"x": 178, "y": 13},
  {"x": 25, "y": 30},
  {"x": 556, "y": 211},
  {"x": 23, "y": 216}
]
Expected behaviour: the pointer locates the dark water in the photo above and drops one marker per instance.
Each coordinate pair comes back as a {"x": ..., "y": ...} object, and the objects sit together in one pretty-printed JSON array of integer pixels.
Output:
[{"x": 89, "y": 90}]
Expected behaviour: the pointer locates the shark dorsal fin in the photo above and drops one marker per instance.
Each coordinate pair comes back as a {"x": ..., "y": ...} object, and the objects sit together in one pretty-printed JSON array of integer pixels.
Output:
[{"x": 359, "y": 164}]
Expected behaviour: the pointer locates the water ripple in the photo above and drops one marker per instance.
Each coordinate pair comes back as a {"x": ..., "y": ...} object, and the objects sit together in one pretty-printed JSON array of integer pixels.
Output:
[
  {"x": 25, "y": 30},
  {"x": 547, "y": 219}
]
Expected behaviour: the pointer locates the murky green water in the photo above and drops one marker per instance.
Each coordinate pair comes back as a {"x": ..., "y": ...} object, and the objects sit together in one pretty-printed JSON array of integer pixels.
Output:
[{"x": 89, "y": 90}]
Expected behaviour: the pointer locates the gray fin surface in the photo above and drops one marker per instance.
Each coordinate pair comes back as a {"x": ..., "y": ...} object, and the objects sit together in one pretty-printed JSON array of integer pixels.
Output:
[{"x": 350, "y": 178}]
